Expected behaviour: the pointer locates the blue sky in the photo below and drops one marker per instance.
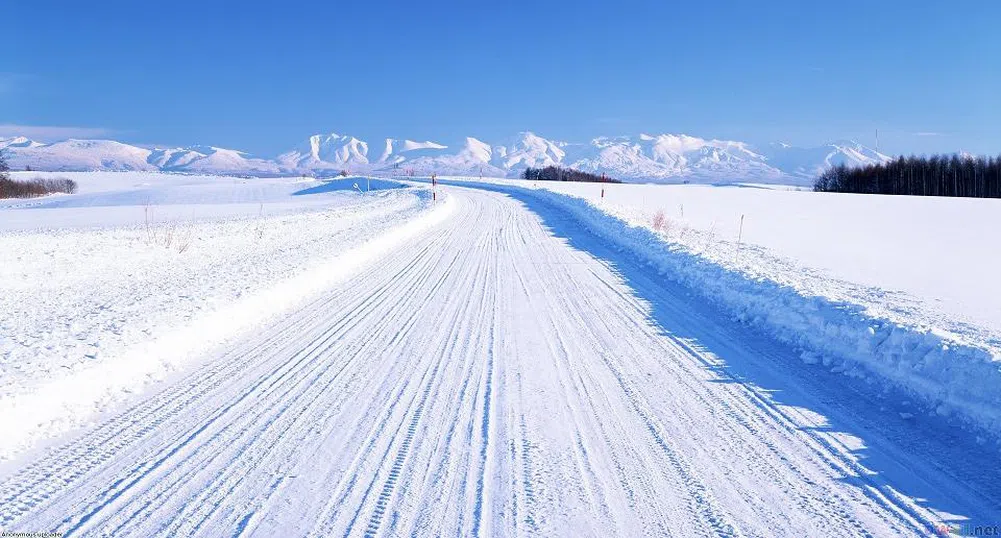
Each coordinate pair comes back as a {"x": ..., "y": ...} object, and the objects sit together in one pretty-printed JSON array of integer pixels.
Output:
[{"x": 262, "y": 76}]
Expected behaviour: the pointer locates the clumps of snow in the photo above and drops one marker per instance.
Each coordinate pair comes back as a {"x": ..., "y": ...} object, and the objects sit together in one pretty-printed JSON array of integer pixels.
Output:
[
  {"x": 950, "y": 376},
  {"x": 92, "y": 315}
]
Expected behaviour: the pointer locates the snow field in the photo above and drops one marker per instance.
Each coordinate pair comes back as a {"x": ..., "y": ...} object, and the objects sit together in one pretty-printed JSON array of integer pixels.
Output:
[
  {"x": 924, "y": 248},
  {"x": 845, "y": 315},
  {"x": 121, "y": 199},
  {"x": 504, "y": 373},
  {"x": 92, "y": 315}
]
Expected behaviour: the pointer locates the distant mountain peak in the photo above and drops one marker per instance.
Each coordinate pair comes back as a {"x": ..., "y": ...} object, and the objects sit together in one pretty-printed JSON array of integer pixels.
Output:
[{"x": 665, "y": 157}]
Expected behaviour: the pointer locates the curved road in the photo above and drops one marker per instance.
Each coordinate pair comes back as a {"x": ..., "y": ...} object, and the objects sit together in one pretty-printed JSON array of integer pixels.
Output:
[{"x": 505, "y": 374}]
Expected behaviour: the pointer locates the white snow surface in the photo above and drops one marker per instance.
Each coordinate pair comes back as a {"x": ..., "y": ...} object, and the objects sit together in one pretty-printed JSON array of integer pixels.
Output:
[
  {"x": 643, "y": 158},
  {"x": 892, "y": 288},
  {"x": 915, "y": 249},
  {"x": 496, "y": 362},
  {"x": 119, "y": 285}
]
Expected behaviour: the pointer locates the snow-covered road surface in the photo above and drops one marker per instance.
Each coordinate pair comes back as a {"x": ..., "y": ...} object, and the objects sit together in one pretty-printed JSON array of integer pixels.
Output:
[{"x": 506, "y": 373}]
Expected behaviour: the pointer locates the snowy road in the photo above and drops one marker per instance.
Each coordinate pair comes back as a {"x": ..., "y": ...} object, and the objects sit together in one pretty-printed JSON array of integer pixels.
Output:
[{"x": 506, "y": 374}]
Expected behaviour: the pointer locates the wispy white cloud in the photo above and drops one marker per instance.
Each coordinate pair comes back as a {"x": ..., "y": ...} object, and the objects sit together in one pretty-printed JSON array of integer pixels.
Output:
[
  {"x": 926, "y": 133},
  {"x": 50, "y": 133}
]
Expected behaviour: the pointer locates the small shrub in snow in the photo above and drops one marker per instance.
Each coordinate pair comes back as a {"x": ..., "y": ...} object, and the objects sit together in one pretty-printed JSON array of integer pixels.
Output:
[
  {"x": 259, "y": 227},
  {"x": 170, "y": 236},
  {"x": 710, "y": 238},
  {"x": 659, "y": 220}
]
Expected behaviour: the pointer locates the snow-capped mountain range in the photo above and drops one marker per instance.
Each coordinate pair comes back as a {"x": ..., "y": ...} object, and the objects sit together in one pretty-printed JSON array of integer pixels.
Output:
[{"x": 654, "y": 158}]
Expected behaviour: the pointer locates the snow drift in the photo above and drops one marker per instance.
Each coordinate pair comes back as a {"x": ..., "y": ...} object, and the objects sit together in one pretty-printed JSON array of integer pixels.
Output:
[
  {"x": 99, "y": 307},
  {"x": 950, "y": 377}
]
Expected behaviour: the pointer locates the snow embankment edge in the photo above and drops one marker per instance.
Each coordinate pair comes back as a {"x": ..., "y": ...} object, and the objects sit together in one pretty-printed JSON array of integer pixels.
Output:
[
  {"x": 948, "y": 377},
  {"x": 63, "y": 404}
]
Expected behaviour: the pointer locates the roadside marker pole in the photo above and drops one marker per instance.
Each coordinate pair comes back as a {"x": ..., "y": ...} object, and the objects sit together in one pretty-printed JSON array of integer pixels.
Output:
[{"x": 740, "y": 234}]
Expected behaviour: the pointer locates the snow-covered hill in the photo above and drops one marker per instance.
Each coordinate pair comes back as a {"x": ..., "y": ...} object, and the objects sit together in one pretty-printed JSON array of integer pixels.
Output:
[
  {"x": 212, "y": 160},
  {"x": 665, "y": 158},
  {"x": 677, "y": 157},
  {"x": 811, "y": 161},
  {"x": 86, "y": 155},
  {"x": 76, "y": 155}
]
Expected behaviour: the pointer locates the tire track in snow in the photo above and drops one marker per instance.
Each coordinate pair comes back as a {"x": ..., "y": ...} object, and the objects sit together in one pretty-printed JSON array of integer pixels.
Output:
[
  {"x": 345, "y": 318},
  {"x": 486, "y": 378},
  {"x": 354, "y": 354},
  {"x": 836, "y": 458},
  {"x": 455, "y": 326}
]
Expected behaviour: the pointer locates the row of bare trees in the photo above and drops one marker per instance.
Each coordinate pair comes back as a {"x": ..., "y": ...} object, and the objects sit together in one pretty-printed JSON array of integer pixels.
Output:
[
  {"x": 938, "y": 175},
  {"x": 13, "y": 188},
  {"x": 555, "y": 173}
]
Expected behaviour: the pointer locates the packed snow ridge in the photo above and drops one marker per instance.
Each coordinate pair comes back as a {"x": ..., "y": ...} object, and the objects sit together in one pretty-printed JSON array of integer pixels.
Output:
[{"x": 665, "y": 158}]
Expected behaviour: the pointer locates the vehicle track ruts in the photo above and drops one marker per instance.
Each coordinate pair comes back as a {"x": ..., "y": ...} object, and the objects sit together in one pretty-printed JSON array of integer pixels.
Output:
[{"x": 504, "y": 373}]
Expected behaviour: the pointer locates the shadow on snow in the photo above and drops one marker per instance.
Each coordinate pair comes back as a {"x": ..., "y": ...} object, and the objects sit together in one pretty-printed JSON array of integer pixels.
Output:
[
  {"x": 349, "y": 184},
  {"x": 923, "y": 457}
]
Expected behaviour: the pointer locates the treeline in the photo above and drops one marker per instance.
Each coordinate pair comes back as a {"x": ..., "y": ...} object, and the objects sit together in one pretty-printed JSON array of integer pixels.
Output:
[
  {"x": 555, "y": 173},
  {"x": 13, "y": 188},
  {"x": 938, "y": 175}
]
